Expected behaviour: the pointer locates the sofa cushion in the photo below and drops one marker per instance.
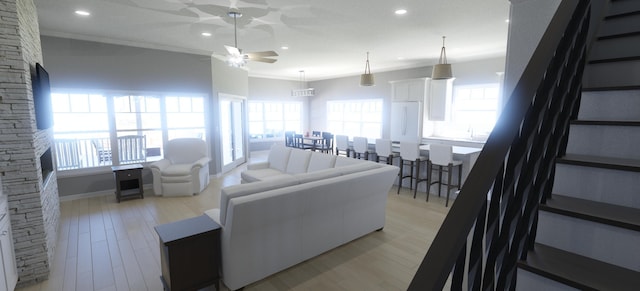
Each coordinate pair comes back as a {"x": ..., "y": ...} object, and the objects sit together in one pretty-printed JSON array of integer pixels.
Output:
[
  {"x": 279, "y": 157},
  {"x": 233, "y": 191},
  {"x": 177, "y": 170},
  {"x": 360, "y": 167},
  {"x": 321, "y": 161},
  {"x": 317, "y": 175},
  {"x": 344, "y": 161},
  {"x": 259, "y": 175},
  {"x": 298, "y": 161}
]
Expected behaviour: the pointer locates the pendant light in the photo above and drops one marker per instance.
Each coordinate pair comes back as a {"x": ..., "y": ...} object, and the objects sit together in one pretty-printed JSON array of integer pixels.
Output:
[
  {"x": 303, "y": 91},
  {"x": 366, "y": 79},
  {"x": 442, "y": 70}
]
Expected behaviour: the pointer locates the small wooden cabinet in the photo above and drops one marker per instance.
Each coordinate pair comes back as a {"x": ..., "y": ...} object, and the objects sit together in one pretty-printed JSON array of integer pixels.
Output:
[
  {"x": 190, "y": 253},
  {"x": 128, "y": 181}
]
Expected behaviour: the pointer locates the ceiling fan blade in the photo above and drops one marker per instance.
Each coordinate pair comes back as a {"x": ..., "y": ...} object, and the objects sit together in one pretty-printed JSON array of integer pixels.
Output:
[
  {"x": 262, "y": 54},
  {"x": 264, "y": 60},
  {"x": 234, "y": 51}
]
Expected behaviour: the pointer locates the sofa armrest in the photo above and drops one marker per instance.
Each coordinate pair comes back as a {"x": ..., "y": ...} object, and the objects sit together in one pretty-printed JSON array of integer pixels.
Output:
[
  {"x": 160, "y": 165},
  {"x": 258, "y": 166},
  {"x": 200, "y": 163}
]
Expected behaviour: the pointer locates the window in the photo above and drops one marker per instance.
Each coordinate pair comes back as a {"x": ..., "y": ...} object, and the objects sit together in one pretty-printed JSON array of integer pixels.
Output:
[
  {"x": 270, "y": 119},
  {"x": 85, "y": 139},
  {"x": 473, "y": 112},
  {"x": 355, "y": 117}
]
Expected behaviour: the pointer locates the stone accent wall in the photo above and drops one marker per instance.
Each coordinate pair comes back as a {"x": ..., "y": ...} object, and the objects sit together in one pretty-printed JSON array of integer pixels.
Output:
[{"x": 33, "y": 203}]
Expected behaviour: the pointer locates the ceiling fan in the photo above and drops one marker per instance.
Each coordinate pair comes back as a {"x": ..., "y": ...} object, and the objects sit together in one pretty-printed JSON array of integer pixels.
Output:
[{"x": 236, "y": 58}]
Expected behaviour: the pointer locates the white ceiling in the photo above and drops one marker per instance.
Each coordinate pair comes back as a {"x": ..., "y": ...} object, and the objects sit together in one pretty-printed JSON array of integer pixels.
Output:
[{"x": 326, "y": 38}]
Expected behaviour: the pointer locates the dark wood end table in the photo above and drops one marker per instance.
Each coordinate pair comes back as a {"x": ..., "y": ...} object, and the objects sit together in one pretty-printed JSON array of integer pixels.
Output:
[
  {"x": 190, "y": 253},
  {"x": 128, "y": 181}
]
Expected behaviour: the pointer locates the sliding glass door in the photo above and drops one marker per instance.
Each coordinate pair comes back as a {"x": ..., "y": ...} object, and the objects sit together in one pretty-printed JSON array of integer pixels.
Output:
[{"x": 232, "y": 136}]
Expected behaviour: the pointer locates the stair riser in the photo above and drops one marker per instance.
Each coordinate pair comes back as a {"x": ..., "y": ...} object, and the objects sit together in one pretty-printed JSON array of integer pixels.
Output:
[
  {"x": 597, "y": 184},
  {"x": 615, "y": 74},
  {"x": 610, "y": 105},
  {"x": 615, "y": 48},
  {"x": 604, "y": 141},
  {"x": 602, "y": 242},
  {"x": 620, "y": 25},
  {"x": 528, "y": 281},
  {"x": 618, "y": 7}
]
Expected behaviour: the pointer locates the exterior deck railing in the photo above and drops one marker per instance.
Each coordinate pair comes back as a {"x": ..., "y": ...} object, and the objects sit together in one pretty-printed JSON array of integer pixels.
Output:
[
  {"x": 493, "y": 221},
  {"x": 96, "y": 152}
]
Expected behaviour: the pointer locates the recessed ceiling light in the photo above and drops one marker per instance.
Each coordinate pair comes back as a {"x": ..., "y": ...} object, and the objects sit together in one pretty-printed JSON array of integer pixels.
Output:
[
  {"x": 506, "y": 20},
  {"x": 400, "y": 58},
  {"x": 83, "y": 13},
  {"x": 206, "y": 34},
  {"x": 401, "y": 11},
  {"x": 284, "y": 47}
]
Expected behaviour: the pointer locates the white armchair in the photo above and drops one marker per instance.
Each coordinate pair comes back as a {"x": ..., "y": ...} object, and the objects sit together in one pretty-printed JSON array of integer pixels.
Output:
[{"x": 184, "y": 171}]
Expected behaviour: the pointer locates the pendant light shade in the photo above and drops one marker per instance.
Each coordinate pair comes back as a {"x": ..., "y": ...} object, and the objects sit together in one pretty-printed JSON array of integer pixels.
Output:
[
  {"x": 442, "y": 70},
  {"x": 367, "y": 79}
]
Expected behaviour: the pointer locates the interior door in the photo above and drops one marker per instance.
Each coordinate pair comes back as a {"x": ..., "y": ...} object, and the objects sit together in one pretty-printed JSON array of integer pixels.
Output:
[{"x": 232, "y": 135}]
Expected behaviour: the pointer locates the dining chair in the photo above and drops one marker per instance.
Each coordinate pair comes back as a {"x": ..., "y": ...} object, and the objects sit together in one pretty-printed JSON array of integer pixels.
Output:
[
  {"x": 383, "y": 150},
  {"x": 442, "y": 156},
  {"x": 360, "y": 147},
  {"x": 326, "y": 144},
  {"x": 410, "y": 155},
  {"x": 316, "y": 133},
  {"x": 342, "y": 145},
  {"x": 288, "y": 138}
]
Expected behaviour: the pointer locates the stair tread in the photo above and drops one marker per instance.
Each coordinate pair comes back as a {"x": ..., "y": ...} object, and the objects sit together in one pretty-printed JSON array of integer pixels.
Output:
[
  {"x": 601, "y": 162},
  {"x": 618, "y": 35},
  {"x": 618, "y": 88},
  {"x": 607, "y": 122},
  {"x": 616, "y": 215},
  {"x": 613, "y": 60},
  {"x": 579, "y": 271}
]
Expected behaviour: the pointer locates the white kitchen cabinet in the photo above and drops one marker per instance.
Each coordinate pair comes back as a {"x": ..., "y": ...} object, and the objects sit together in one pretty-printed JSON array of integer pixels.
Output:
[
  {"x": 440, "y": 99},
  {"x": 409, "y": 90},
  {"x": 8, "y": 270}
]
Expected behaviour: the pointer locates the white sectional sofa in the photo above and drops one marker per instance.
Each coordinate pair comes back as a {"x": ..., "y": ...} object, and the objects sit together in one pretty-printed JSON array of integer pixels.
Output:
[{"x": 296, "y": 206}]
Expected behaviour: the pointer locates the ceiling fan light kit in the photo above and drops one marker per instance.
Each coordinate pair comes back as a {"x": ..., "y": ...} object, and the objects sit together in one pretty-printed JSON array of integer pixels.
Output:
[
  {"x": 236, "y": 58},
  {"x": 442, "y": 70},
  {"x": 367, "y": 78}
]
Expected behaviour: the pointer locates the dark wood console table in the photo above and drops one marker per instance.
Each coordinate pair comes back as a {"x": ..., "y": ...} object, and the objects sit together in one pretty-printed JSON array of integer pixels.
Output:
[
  {"x": 190, "y": 253},
  {"x": 128, "y": 181}
]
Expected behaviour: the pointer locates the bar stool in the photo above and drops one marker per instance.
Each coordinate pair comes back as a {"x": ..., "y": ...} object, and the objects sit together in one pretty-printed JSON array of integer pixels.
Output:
[
  {"x": 360, "y": 147},
  {"x": 409, "y": 152},
  {"x": 383, "y": 150},
  {"x": 342, "y": 144},
  {"x": 441, "y": 156}
]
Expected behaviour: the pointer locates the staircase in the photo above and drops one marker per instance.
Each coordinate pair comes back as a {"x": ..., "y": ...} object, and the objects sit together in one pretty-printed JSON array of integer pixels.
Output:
[{"x": 588, "y": 234}]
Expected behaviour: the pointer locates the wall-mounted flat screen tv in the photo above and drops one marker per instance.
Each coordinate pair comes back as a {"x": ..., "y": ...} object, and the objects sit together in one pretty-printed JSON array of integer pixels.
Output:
[{"x": 42, "y": 98}]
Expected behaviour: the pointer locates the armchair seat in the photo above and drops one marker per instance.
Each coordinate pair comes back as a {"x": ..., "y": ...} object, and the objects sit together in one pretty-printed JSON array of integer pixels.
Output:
[{"x": 184, "y": 171}]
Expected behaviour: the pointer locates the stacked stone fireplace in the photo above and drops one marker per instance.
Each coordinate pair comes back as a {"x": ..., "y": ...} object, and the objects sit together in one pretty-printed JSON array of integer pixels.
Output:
[{"x": 32, "y": 189}]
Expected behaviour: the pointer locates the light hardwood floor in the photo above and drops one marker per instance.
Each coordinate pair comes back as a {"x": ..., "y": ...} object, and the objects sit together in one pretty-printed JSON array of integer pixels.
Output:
[{"x": 105, "y": 245}]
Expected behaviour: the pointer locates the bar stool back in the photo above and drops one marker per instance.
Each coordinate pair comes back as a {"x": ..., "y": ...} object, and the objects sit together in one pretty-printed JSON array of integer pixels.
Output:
[
  {"x": 383, "y": 150},
  {"x": 342, "y": 144},
  {"x": 410, "y": 152},
  {"x": 442, "y": 156},
  {"x": 360, "y": 147}
]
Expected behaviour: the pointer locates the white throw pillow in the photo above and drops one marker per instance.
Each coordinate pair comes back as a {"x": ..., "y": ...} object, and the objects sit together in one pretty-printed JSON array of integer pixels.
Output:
[{"x": 279, "y": 157}]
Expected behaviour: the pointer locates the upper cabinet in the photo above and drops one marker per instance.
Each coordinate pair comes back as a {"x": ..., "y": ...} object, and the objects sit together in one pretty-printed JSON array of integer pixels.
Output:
[{"x": 409, "y": 90}]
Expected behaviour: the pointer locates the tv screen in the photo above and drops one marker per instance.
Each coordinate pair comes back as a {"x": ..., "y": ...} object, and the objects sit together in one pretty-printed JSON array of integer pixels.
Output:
[{"x": 42, "y": 98}]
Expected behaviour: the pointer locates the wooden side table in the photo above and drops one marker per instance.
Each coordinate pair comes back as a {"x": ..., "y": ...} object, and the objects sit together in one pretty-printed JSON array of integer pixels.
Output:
[
  {"x": 190, "y": 253},
  {"x": 128, "y": 181}
]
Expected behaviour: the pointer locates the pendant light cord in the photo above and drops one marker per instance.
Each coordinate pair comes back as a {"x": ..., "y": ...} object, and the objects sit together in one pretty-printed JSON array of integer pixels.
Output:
[
  {"x": 367, "y": 69},
  {"x": 443, "y": 53}
]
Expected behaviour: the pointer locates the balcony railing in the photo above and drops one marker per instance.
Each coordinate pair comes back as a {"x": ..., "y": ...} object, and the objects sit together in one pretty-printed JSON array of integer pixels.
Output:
[{"x": 96, "y": 152}]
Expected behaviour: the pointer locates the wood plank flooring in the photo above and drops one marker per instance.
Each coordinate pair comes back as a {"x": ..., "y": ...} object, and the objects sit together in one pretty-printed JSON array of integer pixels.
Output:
[{"x": 105, "y": 245}]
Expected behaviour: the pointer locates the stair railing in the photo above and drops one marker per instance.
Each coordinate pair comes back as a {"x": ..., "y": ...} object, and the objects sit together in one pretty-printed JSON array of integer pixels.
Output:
[{"x": 493, "y": 221}]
